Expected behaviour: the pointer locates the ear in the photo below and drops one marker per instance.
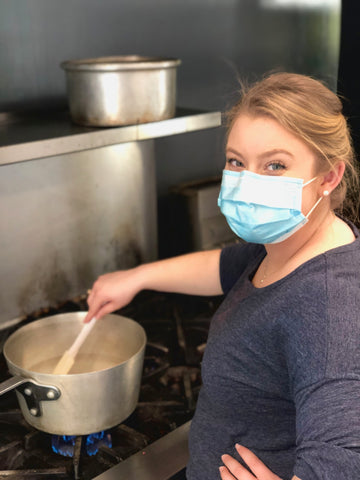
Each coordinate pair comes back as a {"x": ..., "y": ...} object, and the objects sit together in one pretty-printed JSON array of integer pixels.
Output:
[{"x": 332, "y": 179}]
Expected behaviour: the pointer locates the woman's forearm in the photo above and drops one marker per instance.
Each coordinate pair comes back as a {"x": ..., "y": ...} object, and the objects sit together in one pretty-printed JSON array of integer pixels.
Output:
[{"x": 194, "y": 274}]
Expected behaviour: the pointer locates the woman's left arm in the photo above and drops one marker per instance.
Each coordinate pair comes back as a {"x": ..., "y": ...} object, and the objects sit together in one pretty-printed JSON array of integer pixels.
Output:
[{"x": 233, "y": 470}]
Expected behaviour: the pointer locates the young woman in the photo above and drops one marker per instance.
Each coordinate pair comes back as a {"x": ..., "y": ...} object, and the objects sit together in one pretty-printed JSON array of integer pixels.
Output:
[{"x": 281, "y": 370}]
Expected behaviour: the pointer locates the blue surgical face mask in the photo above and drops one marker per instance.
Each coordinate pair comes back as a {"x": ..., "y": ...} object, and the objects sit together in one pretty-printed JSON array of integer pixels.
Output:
[{"x": 262, "y": 208}]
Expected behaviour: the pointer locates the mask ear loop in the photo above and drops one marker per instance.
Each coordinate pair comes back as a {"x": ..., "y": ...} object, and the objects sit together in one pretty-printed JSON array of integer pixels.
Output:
[
  {"x": 309, "y": 181},
  {"x": 325, "y": 194}
]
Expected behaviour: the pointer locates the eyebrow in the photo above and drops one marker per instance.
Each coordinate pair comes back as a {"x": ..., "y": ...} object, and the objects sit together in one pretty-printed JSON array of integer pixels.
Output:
[
  {"x": 232, "y": 150},
  {"x": 266, "y": 154},
  {"x": 276, "y": 151}
]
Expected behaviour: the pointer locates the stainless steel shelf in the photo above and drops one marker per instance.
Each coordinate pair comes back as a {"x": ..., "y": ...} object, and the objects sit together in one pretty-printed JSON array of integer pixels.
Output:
[{"x": 28, "y": 138}]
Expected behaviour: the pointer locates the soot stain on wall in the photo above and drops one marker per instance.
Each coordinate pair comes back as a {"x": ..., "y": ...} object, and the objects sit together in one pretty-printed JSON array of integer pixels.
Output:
[{"x": 45, "y": 287}]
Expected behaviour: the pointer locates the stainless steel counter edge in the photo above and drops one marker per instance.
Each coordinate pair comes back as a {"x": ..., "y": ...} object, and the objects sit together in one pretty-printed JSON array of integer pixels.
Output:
[
  {"x": 159, "y": 461},
  {"x": 32, "y": 139}
]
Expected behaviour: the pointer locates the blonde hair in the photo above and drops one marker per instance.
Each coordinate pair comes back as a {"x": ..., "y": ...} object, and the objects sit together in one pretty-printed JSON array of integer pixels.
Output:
[{"x": 308, "y": 109}]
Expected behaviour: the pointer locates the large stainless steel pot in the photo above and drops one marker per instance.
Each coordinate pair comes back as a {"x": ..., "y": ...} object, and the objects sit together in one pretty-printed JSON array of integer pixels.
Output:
[
  {"x": 103, "y": 386},
  {"x": 123, "y": 90}
]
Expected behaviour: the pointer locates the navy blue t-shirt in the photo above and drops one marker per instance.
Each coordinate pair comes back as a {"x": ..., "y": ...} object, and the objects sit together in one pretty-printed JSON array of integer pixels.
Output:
[{"x": 281, "y": 369}]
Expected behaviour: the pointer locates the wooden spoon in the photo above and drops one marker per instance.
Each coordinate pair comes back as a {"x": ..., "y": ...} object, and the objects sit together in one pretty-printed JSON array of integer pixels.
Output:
[{"x": 67, "y": 360}]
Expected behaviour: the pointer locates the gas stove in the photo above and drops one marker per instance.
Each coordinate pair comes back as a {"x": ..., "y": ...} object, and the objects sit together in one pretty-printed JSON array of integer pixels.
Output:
[{"x": 152, "y": 442}]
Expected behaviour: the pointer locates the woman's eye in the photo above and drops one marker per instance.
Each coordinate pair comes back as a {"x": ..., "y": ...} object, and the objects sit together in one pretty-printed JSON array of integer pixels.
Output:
[
  {"x": 232, "y": 162},
  {"x": 276, "y": 167}
]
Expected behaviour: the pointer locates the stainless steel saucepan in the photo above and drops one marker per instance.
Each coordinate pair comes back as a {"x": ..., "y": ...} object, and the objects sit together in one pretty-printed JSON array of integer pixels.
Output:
[{"x": 100, "y": 391}]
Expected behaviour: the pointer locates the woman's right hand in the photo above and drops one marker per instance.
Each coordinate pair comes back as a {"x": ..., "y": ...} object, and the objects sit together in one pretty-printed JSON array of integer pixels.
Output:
[{"x": 111, "y": 292}]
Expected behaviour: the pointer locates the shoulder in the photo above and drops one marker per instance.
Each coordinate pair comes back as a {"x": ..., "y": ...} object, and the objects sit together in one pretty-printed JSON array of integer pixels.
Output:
[
  {"x": 343, "y": 267},
  {"x": 322, "y": 321},
  {"x": 341, "y": 262},
  {"x": 343, "y": 314},
  {"x": 241, "y": 250},
  {"x": 329, "y": 282},
  {"x": 237, "y": 258}
]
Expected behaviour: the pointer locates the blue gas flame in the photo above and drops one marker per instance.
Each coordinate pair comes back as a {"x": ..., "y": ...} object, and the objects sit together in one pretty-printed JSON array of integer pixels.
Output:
[{"x": 65, "y": 444}]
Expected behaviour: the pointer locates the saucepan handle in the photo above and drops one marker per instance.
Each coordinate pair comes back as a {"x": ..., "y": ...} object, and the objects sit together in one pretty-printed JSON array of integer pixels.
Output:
[
  {"x": 32, "y": 392},
  {"x": 12, "y": 383}
]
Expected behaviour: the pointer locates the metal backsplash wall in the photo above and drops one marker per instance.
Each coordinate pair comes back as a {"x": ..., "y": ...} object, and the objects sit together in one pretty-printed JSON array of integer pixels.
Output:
[
  {"x": 91, "y": 212},
  {"x": 67, "y": 219}
]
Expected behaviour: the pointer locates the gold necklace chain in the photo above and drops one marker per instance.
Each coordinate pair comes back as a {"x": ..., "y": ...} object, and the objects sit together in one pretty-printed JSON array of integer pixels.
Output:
[
  {"x": 266, "y": 261},
  {"x": 265, "y": 274}
]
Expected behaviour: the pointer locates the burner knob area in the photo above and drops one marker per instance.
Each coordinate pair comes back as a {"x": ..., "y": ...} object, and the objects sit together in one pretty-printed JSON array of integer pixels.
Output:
[
  {"x": 34, "y": 412},
  {"x": 28, "y": 391}
]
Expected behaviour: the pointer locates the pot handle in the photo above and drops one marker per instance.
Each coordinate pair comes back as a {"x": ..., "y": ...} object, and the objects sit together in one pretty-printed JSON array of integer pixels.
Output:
[
  {"x": 32, "y": 392},
  {"x": 12, "y": 383}
]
